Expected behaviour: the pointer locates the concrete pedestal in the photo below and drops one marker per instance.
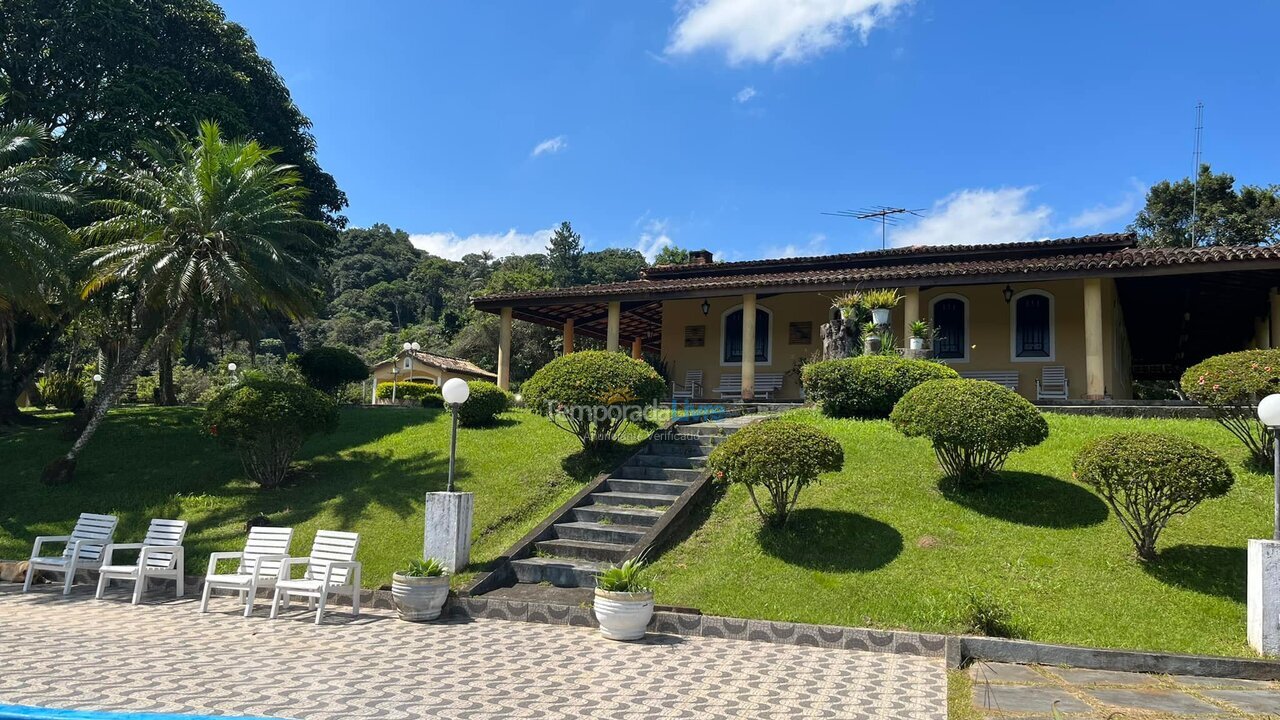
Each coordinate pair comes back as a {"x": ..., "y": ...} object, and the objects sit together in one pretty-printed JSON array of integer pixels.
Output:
[
  {"x": 448, "y": 528},
  {"x": 1264, "y": 596}
]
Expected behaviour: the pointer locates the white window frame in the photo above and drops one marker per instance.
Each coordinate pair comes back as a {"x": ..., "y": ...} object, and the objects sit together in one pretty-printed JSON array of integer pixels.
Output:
[
  {"x": 967, "y": 337},
  {"x": 1013, "y": 328},
  {"x": 724, "y": 335},
  {"x": 408, "y": 362}
]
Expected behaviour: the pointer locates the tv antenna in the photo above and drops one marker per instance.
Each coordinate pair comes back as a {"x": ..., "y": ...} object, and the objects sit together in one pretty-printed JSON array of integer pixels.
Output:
[
  {"x": 1195, "y": 174},
  {"x": 885, "y": 214}
]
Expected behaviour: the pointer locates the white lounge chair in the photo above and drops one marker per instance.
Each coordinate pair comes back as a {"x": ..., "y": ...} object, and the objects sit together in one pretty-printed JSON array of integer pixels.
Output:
[
  {"x": 259, "y": 566},
  {"x": 331, "y": 570},
  {"x": 1052, "y": 384},
  {"x": 82, "y": 549},
  {"x": 160, "y": 555}
]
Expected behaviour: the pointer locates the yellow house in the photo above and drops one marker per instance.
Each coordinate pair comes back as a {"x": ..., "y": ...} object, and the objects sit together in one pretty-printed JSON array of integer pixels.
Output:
[
  {"x": 428, "y": 367},
  {"x": 1098, "y": 310}
]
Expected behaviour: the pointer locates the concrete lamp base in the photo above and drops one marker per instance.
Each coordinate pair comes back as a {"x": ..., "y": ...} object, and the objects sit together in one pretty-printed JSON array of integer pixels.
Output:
[
  {"x": 1264, "y": 596},
  {"x": 448, "y": 528}
]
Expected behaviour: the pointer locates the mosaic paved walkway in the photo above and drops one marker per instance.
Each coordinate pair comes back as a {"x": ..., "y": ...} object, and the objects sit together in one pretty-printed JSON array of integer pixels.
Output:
[
  {"x": 166, "y": 657},
  {"x": 1028, "y": 691}
]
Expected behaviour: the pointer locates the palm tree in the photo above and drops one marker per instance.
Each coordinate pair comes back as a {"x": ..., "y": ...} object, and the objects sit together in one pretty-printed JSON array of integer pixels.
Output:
[{"x": 219, "y": 229}]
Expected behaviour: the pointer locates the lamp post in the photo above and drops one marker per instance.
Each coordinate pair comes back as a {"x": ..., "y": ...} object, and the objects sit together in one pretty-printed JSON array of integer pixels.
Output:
[
  {"x": 455, "y": 393},
  {"x": 1269, "y": 414},
  {"x": 395, "y": 375},
  {"x": 231, "y": 368},
  {"x": 411, "y": 348},
  {"x": 1263, "y": 559}
]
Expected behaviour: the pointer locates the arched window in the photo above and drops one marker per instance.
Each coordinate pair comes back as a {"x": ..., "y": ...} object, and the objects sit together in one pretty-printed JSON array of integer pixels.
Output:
[
  {"x": 731, "y": 337},
  {"x": 950, "y": 316},
  {"x": 1032, "y": 326}
]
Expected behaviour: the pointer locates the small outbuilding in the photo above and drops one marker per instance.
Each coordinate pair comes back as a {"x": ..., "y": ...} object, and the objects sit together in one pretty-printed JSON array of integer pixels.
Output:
[{"x": 422, "y": 366}]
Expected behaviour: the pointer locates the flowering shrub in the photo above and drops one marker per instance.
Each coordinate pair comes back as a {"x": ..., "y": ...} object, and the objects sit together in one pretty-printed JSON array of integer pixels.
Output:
[
  {"x": 775, "y": 459},
  {"x": 1231, "y": 385}
]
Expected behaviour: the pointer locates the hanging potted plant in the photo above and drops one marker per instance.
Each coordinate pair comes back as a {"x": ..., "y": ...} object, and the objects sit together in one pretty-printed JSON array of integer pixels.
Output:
[
  {"x": 848, "y": 304},
  {"x": 420, "y": 591},
  {"x": 880, "y": 302},
  {"x": 623, "y": 604},
  {"x": 919, "y": 331}
]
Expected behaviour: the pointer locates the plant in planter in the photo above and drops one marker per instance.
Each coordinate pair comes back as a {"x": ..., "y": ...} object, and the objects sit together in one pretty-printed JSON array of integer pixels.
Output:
[
  {"x": 919, "y": 331},
  {"x": 880, "y": 302},
  {"x": 623, "y": 603},
  {"x": 420, "y": 591},
  {"x": 848, "y": 305}
]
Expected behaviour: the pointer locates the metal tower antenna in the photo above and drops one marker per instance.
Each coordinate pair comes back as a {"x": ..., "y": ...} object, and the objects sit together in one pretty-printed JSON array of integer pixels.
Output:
[
  {"x": 885, "y": 214},
  {"x": 1195, "y": 174}
]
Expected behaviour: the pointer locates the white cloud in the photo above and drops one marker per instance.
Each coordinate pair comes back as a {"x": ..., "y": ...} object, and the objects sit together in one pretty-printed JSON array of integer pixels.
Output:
[
  {"x": 816, "y": 245},
  {"x": 745, "y": 94},
  {"x": 653, "y": 239},
  {"x": 1111, "y": 217},
  {"x": 978, "y": 215},
  {"x": 550, "y": 146},
  {"x": 453, "y": 246},
  {"x": 768, "y": 30}
]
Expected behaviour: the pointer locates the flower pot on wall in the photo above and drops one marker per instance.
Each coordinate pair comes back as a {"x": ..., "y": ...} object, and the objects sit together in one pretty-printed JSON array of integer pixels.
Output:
[
  {"x": 419, "y": 599},
  {"x": 917, "y": 343},
  {"x": 848, "y": 313},
  {"x": 623, "y": 615},
  {"x": 880, "y": 316}
]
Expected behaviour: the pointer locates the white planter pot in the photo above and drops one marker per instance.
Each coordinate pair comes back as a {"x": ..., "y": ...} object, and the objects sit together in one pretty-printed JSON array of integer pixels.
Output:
[
  {"x": 917, "y": 343},
  {"x": 880, "y": 316},
  {"x": 847, "y": 313},
  {"x": 418, "y": 599},
  {"x": 623, "y": 616}
]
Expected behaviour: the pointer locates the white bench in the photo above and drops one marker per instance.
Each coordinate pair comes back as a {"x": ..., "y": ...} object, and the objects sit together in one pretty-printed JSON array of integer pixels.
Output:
[
  {"x": 1007, "y": 378},
  {"x": 1052, "y": 384},
  {"x": 765, "y": 386}
]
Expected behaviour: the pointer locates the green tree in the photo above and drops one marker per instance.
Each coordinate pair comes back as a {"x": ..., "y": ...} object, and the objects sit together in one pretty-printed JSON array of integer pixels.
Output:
[
  {"x": 671, "y": 255},
  {"x": 564, "y": 256},
  {"x": 109, "y": 75},
  {"x": 1224, "y": 215},
  {"x": 221, "y": 230},
  {"x": 612, "y": 265}
]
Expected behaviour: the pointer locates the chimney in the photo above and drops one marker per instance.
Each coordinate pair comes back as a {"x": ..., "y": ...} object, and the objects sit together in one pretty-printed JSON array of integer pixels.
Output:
[{"x": 700, "y": 257}]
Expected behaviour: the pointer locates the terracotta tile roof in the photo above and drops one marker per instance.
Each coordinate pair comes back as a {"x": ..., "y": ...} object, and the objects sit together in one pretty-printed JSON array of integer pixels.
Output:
[
  {"x": 444, "y": 362},
  {"x": 910, "y": 266}
]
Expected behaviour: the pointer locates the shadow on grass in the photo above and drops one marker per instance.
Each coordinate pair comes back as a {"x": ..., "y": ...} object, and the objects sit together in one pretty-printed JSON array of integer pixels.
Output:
[
  {"x": 1029, "y": 499},
  {"x": 1207, "y": 569},
  {"x": 832, "y": 540}
]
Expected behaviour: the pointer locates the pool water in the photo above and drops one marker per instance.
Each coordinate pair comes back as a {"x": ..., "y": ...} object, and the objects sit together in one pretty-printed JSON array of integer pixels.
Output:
[{"x": 25, "y": 712}]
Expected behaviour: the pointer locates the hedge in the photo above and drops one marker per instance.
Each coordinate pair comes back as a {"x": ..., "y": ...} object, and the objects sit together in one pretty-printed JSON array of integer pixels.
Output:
[
  {"x": 867, "y": 386},
  {"x": 484, "y": 404}
]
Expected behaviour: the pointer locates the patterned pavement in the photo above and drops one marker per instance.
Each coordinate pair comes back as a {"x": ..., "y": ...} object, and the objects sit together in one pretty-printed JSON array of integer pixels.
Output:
[{"x": 163, "y": 656}]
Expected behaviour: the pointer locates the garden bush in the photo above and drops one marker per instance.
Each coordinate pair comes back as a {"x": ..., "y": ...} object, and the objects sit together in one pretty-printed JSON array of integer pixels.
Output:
[
  {"x": 146, "y": 387},
  {"x": 776, "y": 459},
  {"x": 411, "y": 390},
  {"x": 867, "y": 386},
  {"x": 267, "y": 421},
  {"x": 328, "y": 369},
  {"x": 1147, "y": 478},
  {"x": 1230, "y": 386},
  {"x": 61, "y": 390},
  {"x": 486, "y": 402},
  {"x": 593, "y": 394},
  {"x": 974, "y": 424}
]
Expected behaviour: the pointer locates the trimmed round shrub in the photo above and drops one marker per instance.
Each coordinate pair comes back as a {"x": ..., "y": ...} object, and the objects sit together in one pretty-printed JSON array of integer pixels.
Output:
[
  {"x": 593, "y": 394},
  {"x": 776, "y": 459},
  {"x": 867, "y": 386},
  {"x": 328, "y": 369},
  {"x": 1147, "y": 478},
  {"x": 1230, "y": 386},
  {"x": 974, "y": 424},
  {"x": 61, "y": 390},
  {"x": 267, "y": 421},
  {"x": 483, "y": 405}
]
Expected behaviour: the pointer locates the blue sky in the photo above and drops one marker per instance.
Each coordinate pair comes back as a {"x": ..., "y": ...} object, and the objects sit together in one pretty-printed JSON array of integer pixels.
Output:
[{"x": 733, "y": 124}]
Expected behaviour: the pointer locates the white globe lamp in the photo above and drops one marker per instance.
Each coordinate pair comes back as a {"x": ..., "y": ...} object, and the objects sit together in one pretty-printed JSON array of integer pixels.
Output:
[
  {"x": 455, "y": 391},
  {"x": 97, "y": 378},
  {"x": 1269, "y": 414}
]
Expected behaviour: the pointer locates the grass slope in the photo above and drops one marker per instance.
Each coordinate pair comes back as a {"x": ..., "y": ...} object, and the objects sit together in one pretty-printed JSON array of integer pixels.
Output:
[
  {"x": 880, "y": 544},
  {"x": 369, "y": 476}
]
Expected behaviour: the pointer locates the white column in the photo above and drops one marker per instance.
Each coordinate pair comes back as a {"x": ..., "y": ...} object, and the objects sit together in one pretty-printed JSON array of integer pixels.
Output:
[
  {"x": 615, "y": 322},
  {"x": 748, "y": 347},
  {"x": 1094, "y": 368},
  {"x": 504, "y": 349}
]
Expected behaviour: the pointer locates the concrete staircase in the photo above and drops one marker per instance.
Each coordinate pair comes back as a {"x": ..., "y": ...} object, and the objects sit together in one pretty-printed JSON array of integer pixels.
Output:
[{"x": 609, "y": 524}]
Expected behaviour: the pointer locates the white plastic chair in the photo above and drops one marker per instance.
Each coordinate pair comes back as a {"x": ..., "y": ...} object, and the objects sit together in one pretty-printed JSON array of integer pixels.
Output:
[
  {"x": 332, "y": 569},
  {"x": 691, "y": 389},
  {"x": 82, "y": 551},
  {"x": 1052, "y": 384},
  {"x": 259, "y": 566},
  {"x": 160, "y": 555}
]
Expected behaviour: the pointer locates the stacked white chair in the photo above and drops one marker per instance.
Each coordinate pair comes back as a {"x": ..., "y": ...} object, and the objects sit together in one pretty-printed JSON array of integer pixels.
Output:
[
  {"x": 160, "y": 555},
  {"x": 82, "y": 550}
]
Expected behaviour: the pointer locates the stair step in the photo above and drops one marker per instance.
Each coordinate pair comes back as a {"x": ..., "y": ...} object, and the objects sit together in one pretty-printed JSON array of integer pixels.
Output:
[
  {"x": 648, "y": 487},
  {"x": 680, "y": 448},
  {"x": 640, "y": 472},
  {"x": 584, "y": 550},
  {"x": 630, "y": 517},
  {"x": 685, "y": 462},
  {"x": 600, "y": 532},
  {"x": 707, "y": 431},
  {"x": 561, "y": 572},
  {"x": 626, "y": 498}
]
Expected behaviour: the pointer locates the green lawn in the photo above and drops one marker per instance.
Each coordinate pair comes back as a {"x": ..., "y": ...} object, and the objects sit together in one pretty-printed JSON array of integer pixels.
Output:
[
  {"x": 369, "y": 476},
  {"x": 879, "y": 544}
]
